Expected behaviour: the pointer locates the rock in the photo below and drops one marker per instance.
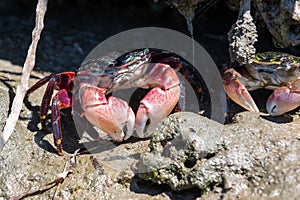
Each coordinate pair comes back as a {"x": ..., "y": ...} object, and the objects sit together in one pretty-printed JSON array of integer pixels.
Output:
[
  {"x": 4, "y": 108},
  {"x": 242, "y": 36},
  {"x": 247, "y": 159},
  {"x": 176, "y": 148},
  {"x": 187, "y": 9},
  {"x": 280, "y": 17}
]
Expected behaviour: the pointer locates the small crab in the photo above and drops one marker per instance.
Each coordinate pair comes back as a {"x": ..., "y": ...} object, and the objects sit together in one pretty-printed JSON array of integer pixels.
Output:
[
  {"x": 270, "y": 70},
  {"x": 91, "y": 88}
]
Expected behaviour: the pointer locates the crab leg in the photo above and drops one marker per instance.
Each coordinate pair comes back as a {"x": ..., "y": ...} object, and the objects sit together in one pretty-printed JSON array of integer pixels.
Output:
[
  {"x": 155, "y": 106},
  {"x": 237, "y": 91},
  {"x": 55, "y": 81},
  {"x": 64, "y": 83},
  {"x": 39, "y": 84},
  {"x": 46, "y": 102},
  {"x": 108, "y": 114},
  {"x": 61, "y": 100},
  {"x": 284, "y": 99},
  {"x": 160, "y": 101},
  {"x": 46, "y": 98}
]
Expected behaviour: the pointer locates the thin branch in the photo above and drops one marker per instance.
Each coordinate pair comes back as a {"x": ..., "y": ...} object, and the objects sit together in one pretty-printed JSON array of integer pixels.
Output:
[{"x": 27, "y": 69}]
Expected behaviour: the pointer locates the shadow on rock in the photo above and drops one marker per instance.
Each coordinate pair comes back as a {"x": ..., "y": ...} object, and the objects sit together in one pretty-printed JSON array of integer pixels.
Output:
[{"x": 140, "y": 186}]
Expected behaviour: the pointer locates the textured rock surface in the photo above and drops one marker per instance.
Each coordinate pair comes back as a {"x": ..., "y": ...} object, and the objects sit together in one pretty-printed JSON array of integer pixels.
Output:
[
  {"x": 242, "y": 36},
  {"x": 280, "y": 17},
  {"x": 250, "y": 158},
  {"x": 176, "y": 149}
]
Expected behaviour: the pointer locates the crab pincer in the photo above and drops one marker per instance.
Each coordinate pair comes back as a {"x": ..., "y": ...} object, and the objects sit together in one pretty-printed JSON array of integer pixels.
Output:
[
  {"x": 108, "y": 114},
  {"x": 160, "y": 101},
  {"x": 237, "y": 91},
  {"x": 284, "y": 99}
]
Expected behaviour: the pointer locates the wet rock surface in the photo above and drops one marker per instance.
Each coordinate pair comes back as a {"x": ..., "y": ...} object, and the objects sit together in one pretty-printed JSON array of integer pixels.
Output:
[{"x": 251, "y": 158}]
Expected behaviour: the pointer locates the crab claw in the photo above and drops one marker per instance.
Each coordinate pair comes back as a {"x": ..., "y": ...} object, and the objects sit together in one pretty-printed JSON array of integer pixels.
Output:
[
  {"x": 110, "y": 115},
  {"x": 160, "y": 101},
  {"x": 237, "y": 91},
  {"x": 284, "y": 99}
]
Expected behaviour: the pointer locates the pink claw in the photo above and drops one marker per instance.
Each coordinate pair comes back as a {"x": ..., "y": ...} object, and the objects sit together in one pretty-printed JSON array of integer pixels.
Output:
[
  {"x": 110, "y": 115},
  {"x": 160, "y": 101},
  {"x": 236, "y": 90},
  {"x": 155, "y": 106},
  {"x": 284, "y": 99}
]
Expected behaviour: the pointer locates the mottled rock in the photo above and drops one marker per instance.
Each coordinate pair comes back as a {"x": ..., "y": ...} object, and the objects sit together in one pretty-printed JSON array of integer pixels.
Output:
[
  {"x": 176, "y": 148},
  {"x": 280, "y": 17},
  {"x": 242, "y": 36},
  {"x": 250, "y": 158},
  {"x": 4, "y": 99}
]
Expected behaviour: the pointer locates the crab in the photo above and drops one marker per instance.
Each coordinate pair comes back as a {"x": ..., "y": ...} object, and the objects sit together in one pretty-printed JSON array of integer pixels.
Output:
[
  {"x": 270, "y": 70},
  {"x": 91, "y": 88}
]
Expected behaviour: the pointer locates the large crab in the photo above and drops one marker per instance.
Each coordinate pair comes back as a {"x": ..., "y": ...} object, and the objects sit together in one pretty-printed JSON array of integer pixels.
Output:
[
  {"x": 94, "y": 83},
  {"x": 270, "y": 70}
]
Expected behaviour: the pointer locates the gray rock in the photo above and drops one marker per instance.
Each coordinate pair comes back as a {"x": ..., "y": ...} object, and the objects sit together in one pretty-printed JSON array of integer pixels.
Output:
[
  {"x": 242, "y": 36},
  {"x": 281, "y": 20},
  {"x": 175, "y": 149},
  {"x": 280, "y": 17},
  {"x": 4, "y": 99},
  {"x": 250, "y": 158}
]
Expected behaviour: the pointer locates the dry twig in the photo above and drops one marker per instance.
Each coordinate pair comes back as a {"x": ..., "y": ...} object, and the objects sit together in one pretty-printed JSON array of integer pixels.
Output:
[{"x": 27, "y": 68}]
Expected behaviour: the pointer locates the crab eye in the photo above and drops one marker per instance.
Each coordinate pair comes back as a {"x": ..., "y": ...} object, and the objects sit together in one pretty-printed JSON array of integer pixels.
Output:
[{"x": 273, "y": 109}]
